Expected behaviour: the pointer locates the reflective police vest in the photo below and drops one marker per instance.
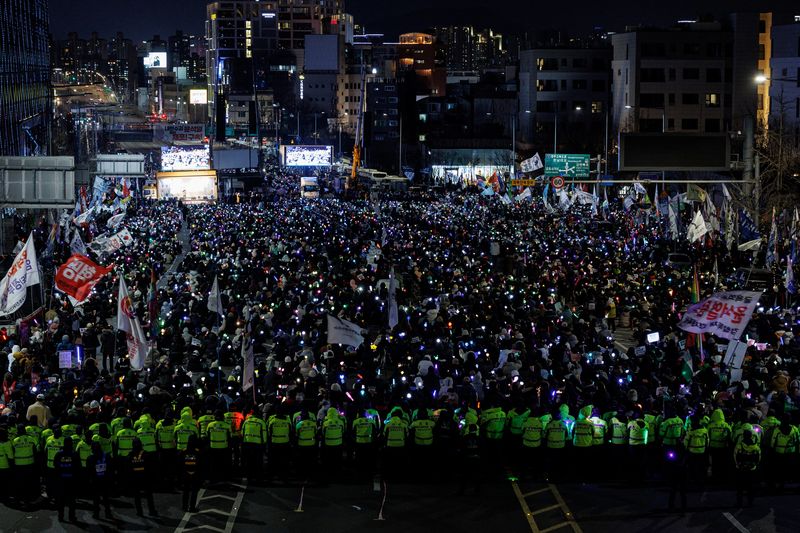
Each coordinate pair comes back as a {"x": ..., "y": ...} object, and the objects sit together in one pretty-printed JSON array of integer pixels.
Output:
[
  {"x": 203, "y": 422},
  {"x": 235, "y": 419},
  {"x": 395, "y": 431},
  {"x": 67, "y": 430},
  {"x": 35, "y": 432},
  {"x": 24, "y": 450},
  {"x": 584, "y": 434},
  {"x": 516, "y": 420},
  {"x": 747, "y": 456},
  {"x": 148, "y": 438},
  {"x": 218, "y": 434},
  {"x": 423, "y": 432},
  {"x": 332, "y": 431},
  {"x": 105, "y": 443},
  {"x": 697, "y": 440},
  {"x": 618, "y": 436},
  {"x": 306, "y": 433},
  {"x": 556, "y": 434},
  {"x": 6, "y": 455},
  {"x": 532, "y": 430},
  {"x": 719, "y": 434},
  {"x": 598, "y": 431},
  {"x": 255, "y": 430},
  {"x": 493, "y": 423},
  {"x": 125, "y": 438},
  {"x": 183, "y": 432},
  {"x": 84, "y": 450},
  {"x": 279, "y": 428},
  {"x": 784, "y": 443},
  {"x": 165, "y": 435},
  {"x": 52, "y": 447},
  {"x": 637, "y": 433},
  {"x": 363, "y": 429},
  {"x": 671, "y": 431}
]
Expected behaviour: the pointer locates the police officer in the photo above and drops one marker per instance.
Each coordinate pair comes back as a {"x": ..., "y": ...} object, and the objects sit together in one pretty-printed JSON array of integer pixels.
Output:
[
  {"x": 362, "y": 431},
  {"x": 53, "y": 444},
  {"x": 185, "y": 429},
  {"x": 492, "y": 423},
  {"x": 746, "y": 458},
  {"x": 395, "y": 433},
  {"x": 235, "y": 419},
  {"x": 582, "y": 439},
  {"x": 139, "y": 474},
  {"x": 719, "y": 445},
  {"x": 191, "y": 473},
  {"x": 254, "y": 436},
  {"x": 98, "y": 468},
  {"x": 167, "y": 447},
  {"x": 783, "y": 448},
  {"x": 306, "y": 441},
  {"x": 24, "y": 447},
  {"x": 6, "y": 458},
  {"x": 219, "y": 438},
  {"x": 65, "y": 464},
  {"x": 696, "y": 444},
  {"x": 471, "y": 467},
  {"x": 332, "y": 439},
  {"x": 555, "y": 438},
  {"x": 279, "y": 433},
  {"x": 124, "y": 438},
  {"x": 637, "y": 446},
  {"x": 532, "y": 434},
  {"x": 421, "y": 433}
]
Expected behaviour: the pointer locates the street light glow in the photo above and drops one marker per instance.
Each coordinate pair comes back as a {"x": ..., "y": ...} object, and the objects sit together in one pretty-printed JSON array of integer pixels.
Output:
[{"x": 760, "y": 78}]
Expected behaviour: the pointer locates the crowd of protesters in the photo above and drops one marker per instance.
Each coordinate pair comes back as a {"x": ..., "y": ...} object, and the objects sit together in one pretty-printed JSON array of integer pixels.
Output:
[{"x": 504, "y": 354}]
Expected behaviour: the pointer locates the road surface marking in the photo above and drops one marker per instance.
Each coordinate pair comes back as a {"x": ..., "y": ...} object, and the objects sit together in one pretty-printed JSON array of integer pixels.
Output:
[
  {"x": 738, "y": 525},
  {"x": 525, "y": 508},
  {"x": 231, "y": 513}
]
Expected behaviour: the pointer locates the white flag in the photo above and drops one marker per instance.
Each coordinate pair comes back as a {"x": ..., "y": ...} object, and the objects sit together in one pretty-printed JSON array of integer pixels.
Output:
[
  {"x": 214, "y": 300},
  {"x": 655, "y": 203},
  {"x": 697, "y": 228},
  {"x": 77, "y": 246},
  {"x": 344, "y": 332},
  {"x": 531, "y": 165},
  {"x": 393, "y": 316},
  {"x": 127, "y": 322},
  {"x": 24, "y": 273},
  {"x": 115, "y": 221},
  {"x": 523, "y": 195},
  {"x": 248, "y": 369},
  {"x": 673, "y": 223},
  {"x": 749, "y": 246}
]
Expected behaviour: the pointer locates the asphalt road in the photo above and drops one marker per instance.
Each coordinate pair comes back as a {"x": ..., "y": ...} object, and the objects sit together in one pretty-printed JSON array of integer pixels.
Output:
[{"x": 502, "y": 504}]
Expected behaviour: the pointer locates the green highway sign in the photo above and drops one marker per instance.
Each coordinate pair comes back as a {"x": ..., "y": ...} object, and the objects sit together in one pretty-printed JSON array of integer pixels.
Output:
[{"x": 566, "y": 165}]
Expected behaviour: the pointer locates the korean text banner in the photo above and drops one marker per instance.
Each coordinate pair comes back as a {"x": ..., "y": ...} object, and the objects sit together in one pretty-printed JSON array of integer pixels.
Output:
[
  {"x": 724, "y": 314},
  {"x": 78, "y": 275}
]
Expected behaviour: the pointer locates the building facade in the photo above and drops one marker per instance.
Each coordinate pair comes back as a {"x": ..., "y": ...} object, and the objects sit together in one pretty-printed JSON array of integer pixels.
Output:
[
  {"x": 568, "y": 85},
  {"x": 25, "y": 93},
  {"x": 784, "y": 90},
  {"x": 419, "y": 55}
]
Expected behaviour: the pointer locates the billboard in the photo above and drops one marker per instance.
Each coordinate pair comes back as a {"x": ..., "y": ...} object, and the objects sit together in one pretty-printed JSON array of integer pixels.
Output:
[
  {"x": 674, "y": 151},
  {"x": 566, "y": 165},
  {"x": 198, "y": 96},
  {"x": 175, "y": 158},
  {"x": 170, "y": 133},
  {"x": 307, "y": 155},
  {"x": 155, "y": 60},
  {"x": 188, "y": 186}
]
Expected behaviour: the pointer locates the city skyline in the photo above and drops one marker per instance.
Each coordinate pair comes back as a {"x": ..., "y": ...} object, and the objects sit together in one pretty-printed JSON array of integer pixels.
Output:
[{"x": 411, "y": 15}]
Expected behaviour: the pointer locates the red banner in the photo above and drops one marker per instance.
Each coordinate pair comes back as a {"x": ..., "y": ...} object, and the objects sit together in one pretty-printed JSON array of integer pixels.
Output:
[{"x": 78, "y": 275}]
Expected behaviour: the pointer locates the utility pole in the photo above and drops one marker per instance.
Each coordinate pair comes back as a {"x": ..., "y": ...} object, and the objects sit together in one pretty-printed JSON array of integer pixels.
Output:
[{"x": 399, "y": 149}]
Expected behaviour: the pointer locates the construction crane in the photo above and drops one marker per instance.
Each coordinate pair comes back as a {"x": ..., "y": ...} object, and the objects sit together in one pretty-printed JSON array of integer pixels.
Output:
[{"x": 358, "y": 145}]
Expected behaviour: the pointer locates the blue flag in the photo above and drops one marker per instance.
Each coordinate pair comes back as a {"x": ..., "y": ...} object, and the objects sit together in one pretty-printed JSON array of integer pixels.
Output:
[{"x": 748, "y": 230}]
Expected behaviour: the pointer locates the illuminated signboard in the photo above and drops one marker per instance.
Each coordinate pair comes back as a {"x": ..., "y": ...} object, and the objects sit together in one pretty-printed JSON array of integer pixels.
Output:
[
  {"x": 185, "y": 158},
  {"x": 307, "y": 156},
  {"x": 155, "y": 60},
  {"x": 566, "y": 165},
  {"x": 198, "y": 96}
]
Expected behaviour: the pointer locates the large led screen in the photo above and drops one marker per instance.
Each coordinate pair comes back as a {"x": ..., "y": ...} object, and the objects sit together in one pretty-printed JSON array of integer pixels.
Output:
[
  {"x": 190, "y": 187},
  {"x": 185, "y": 158},
  {"x": 308, "y": 156}
]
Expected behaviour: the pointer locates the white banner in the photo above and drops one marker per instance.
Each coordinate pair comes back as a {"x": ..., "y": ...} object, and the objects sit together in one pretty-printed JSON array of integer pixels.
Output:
[
  {"x": 249, "y": 366},
  {"x": 344, "y": 332},
  {"x": 214, "y": 301},
  {"x": 524, "y": 195},
  {"x": 24, "y": 273},
  {"x": 115, "y": 221},
  {"x": 724, "y": 314},
  {"x": 129, "y": 323}
]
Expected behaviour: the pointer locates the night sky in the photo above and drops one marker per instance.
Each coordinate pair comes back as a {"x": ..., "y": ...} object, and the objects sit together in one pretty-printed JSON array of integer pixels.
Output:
[{"x": 141, "y": 19}]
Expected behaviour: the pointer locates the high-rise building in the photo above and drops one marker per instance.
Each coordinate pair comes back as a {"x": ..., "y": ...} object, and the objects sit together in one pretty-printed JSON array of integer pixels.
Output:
[
  {"x": 241, "y": 36},
  {"x": 122, "y": 66},
  {"x": 25, "y": 94},
  {"x": 298, "y": 18},
  {"x": 419, "y": 57},
  {"x": 467, "y": 49},
  {"x": 784, "y": 91},
  {"x": 568, "y": 85}
]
